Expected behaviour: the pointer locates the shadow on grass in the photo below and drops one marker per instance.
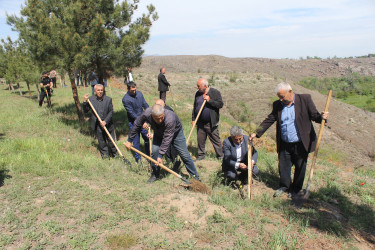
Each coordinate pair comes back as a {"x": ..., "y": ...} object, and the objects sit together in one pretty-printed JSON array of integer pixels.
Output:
[
  {"x": 2, "y": 136},
  {"x": 331, "y": 211},
  {"x": 269, "y": 176},
  {"x": 3, "y": 174},
  {"x": 70, "y": 118}
]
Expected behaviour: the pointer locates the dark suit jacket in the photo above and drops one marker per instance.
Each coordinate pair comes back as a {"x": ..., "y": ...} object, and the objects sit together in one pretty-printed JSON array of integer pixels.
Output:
[
  {"x": 215, "y": 103},
  {"x": 163, "y": 83},
  {"x": 230, "y": 153},
  {"x": 305, "y": 111},
  {"x": 108, "y": 111}
]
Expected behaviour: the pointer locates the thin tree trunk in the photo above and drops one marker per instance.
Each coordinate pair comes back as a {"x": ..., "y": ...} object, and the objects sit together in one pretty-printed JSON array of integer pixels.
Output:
[
  {"x": 37, "y": 89},
  {"x": 76, "y": 97},
  {"x": 19, "y": 88},
  {"x": 11, "y": 86},
  {"x": 28, "y": 88}
]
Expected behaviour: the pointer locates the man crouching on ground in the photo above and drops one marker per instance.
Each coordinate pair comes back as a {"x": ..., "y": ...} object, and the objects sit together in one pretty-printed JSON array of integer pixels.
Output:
[
  {"x": 167, "y": 130},
  {"x": 235, "y": 162}
]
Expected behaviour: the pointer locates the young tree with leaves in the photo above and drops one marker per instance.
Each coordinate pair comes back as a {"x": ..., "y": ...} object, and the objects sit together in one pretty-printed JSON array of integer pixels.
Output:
[{"x": 93, "y": 34}]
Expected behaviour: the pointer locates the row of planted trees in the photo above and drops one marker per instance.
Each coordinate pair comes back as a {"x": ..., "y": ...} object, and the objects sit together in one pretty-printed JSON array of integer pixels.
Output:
[{"x": 100, "y": 35}]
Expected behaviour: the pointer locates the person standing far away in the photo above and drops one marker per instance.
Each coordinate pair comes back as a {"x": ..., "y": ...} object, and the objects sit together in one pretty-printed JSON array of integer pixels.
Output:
[
  {"x": 52, "y": 76},
  {"x": 208, "y": 122},
  {"x": 163, "y": 84},
  {"x": 93, "y": 78},
  {"x": 78, "y": 77},
  {"x": 104, "y": 108},
  {"x": 128, "y": 75},
  {"x": 295, "y": 135},
  {"x": 45, "y": 85},
  {"x": 135, "y": 103}
]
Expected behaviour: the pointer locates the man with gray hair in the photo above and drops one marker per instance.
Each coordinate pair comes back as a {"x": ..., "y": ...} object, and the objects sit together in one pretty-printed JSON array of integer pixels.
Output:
[
  {"x": 103, "y": 106},
  {"x": 208, "y": 122},
  {"x": 167, "y": 131},
  {"x": 295, "y": 135},
  {"x": 235, "y": 162}
]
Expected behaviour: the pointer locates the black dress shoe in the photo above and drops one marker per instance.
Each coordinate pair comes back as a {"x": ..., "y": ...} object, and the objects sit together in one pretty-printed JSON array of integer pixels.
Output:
[
  {"x": 152, "y": 178},
  {"x": 200, "y": 158}
]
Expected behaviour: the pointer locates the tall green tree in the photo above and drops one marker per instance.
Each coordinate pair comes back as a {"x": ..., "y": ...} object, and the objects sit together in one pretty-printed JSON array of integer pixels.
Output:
[
  {"x": 90, "y": 34},
  {"x": 16, "y": 64}
]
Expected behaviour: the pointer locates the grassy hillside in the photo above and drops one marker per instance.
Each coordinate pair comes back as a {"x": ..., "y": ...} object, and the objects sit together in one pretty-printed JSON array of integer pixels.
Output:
[
  {"x": 57, "y": 193},
  {"x": 354, "y": 89}
]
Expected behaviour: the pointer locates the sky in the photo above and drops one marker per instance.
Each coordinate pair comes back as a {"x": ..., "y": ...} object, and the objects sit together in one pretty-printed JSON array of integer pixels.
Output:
[{"x": 252, "y": 28}]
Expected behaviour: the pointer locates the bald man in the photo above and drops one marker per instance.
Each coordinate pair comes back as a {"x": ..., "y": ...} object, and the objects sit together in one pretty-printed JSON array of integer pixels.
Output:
[
  {"x": 167, "y": 131},
  {"x": 208, "y": 121},
  {"x": 163, "y": 84}
]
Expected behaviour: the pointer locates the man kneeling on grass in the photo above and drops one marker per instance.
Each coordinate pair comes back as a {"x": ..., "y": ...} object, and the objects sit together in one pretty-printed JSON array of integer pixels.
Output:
[
  {"x": 235, "y": 161},
  {"x": 167, "y": 131}
]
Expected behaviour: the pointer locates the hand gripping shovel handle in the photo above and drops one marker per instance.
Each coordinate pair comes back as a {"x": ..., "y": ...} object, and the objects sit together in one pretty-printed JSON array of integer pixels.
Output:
[
  {"x": 307, "y": 194},
  {"x": 109, "y": 135},
  {"x": 195, "y": 121},
  {"x": 249, "y": 169},
  {"x": 160, "y": 165}
]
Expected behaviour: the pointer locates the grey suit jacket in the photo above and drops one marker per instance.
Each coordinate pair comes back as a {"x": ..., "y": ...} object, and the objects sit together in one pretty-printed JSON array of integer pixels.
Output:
[
  {"x": 107, "y": 114},
  {"x": 230, "y": 153}
]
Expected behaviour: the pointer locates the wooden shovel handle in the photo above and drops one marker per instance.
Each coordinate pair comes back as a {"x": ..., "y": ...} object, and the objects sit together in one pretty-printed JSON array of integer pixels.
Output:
[
  {"x": 155, "y": 162},
  {"x": 170, "y": 89},
  {"x": 318, "y": 142},
  {"x": 249, "y": 169},
  {"x": 105, "y": 129},
  {"x": 195, "y": 121}
]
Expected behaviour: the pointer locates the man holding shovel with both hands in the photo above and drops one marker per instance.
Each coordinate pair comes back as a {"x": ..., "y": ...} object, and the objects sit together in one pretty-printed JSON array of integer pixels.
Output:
[
  {"x": 208, "y": 121},
  {"x": 295, "y": 136},
  {"x": 104, "y": 108},
  {"x": 168, "y": 131}
]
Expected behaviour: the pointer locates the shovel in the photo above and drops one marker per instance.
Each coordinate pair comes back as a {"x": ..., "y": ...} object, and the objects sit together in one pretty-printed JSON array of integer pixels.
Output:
[
  {"x": 307, "y": 193},
  {"x": 160, "y": 165},
  {"x": 109, "y": 135},
  {"x": 193, "y": 184},
  {"x": 48, "y": 100},
  {"x": 195, "y": 122},
  {"x": 174, "y": 104},
  {"x": 249, "y": 169}
]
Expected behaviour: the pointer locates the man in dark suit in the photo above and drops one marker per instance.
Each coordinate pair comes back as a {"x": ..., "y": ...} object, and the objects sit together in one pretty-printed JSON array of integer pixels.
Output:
[
  {"x": 104, "y": 108},
  {"x": 163, "y": 84},
  {"x": 295, "y": 135},
  {"x": 235, "y": 162},
  {"x": 208, "y": 121}
]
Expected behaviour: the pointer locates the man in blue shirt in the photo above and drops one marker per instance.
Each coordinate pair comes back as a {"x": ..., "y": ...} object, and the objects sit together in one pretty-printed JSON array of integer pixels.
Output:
[
  {"x": 135, "y": 104},
  {"x": 295, "y": 135}
]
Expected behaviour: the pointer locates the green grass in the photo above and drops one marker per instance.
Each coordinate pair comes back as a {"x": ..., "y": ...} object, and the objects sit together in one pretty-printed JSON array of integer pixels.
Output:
[{"x": 57, "y": 193}]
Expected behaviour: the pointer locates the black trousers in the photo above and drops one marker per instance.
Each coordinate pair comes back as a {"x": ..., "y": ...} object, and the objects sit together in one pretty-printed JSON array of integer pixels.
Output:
[
  {"x": 292, "y": 154},
  {"x": 54, "y": 81},
  {"x": 204, "y": 130},
  {"x": 105, "y": 144},
  {"x": 42, "y": 95},
  {"x": 163, "y": 95}
]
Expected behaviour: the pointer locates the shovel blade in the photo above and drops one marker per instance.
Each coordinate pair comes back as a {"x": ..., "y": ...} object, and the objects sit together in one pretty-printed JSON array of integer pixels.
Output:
[{"x": 185, "y": 180}]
